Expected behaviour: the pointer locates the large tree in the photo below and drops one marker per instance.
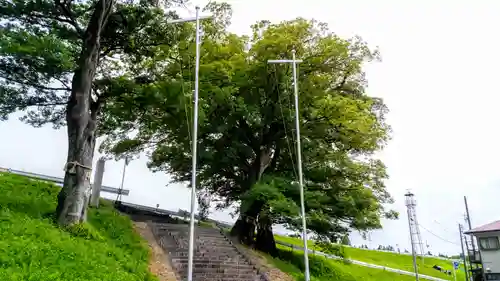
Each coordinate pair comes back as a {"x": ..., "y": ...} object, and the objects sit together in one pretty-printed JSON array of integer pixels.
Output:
[
  {"x": 247, "y": 136},
  {"x": 59, "y": 63}
]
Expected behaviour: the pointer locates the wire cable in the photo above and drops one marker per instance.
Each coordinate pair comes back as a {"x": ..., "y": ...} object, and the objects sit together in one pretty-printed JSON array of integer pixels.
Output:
[
  {"x": 290, "y": 153},
  {"x": 437, "y": 236}
]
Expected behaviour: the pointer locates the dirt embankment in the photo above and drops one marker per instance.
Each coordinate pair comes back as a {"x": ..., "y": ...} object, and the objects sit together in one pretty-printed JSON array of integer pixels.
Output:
[{"x": 159, "y": 263}]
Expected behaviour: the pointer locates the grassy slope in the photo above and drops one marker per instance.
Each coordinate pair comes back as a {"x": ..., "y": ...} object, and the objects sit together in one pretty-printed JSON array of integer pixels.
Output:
[
  {"x": 394, "y": 260},
  {"x": 323, "y": 269},
  {"x": 33, "y": 248}
]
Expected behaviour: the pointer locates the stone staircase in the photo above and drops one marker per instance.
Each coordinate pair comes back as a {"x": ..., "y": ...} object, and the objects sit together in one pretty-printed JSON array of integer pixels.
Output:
[{"x": 215, "y": 258}]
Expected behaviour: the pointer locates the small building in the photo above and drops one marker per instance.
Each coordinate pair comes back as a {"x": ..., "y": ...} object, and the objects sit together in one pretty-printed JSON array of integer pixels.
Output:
[{"x": 487, "y": 237}]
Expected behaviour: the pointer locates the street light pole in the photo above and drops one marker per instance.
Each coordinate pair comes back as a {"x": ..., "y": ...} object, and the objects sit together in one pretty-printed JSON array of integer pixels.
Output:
[
  {"x": 294, "y": 62},
  {"x": 195, "y": 137},
  {"x": 120, "y": 190}
]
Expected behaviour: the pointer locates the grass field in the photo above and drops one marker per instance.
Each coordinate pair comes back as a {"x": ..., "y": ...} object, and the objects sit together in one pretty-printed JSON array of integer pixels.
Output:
[
  {"x": 323, "y": 269},
  {"x": 394, "y": 260},
  {"x": 33, "y": 248}
]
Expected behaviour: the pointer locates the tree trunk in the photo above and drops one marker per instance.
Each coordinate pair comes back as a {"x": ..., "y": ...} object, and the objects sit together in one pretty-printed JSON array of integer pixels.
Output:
[
  {"x": 265, "y": 239},
  {"x": 245, "y": 227},
  {"x": 81, "y": 118}
]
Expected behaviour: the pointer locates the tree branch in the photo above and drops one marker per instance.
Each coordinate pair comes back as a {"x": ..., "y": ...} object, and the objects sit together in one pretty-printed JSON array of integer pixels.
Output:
[
  {"x": 32, "y": 103},
  {"x": 37, "y": 86},
  {"x": 65, "y": 7}
]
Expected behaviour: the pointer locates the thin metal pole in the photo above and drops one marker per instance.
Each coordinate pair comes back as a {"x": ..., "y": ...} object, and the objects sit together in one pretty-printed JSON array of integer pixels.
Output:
[
  {"x": 194, "y": 149},
  {"x": 454, "y": 271},
  {"x": 294, "y": 62},
  {"x": 119, "y": 196},
  {"x": 299, "y": 164},
  {"x": 415, "y": 267},
  {"x": 463, "y": 252}
]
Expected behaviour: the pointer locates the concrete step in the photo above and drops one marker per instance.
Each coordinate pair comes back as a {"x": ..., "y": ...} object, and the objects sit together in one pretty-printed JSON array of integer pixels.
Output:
[
  {"x": 241, "y": 264},
  {"x": 227, "y": 271},
  {"x": 207, "y": 254},
  {"x": 222, "y": 276},
  {"x": 215, "y": 258},
  {"x": 217, "y": 278},
  {"x": 213, "y": 262}
]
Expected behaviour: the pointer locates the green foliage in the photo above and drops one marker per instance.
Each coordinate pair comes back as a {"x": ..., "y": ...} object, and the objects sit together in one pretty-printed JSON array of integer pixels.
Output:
[
  {"x": 33, "y": 248},
  {"x": 41, "y": 44},
  {"x": 345, "y": 240},
  {"x": 330, "y": 248},
  {"x": 246, "y": 136},
  {"x": 85, "y": 231}
]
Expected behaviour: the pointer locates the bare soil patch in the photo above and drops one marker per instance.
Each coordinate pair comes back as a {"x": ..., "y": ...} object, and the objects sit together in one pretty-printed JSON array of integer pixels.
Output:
[{"x": 159, "y": 263}]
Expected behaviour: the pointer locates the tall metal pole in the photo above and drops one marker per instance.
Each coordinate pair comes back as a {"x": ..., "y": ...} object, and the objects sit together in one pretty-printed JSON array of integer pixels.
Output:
[
  {"x": 463, "y": 252},
  {"x": 119, "y": 196},
  {"x": 294, "y": 62},
  {"x": 194, "y": 149},
  {"x": 299, "y": 164},
  {"x": 195, "y": 138},
  {"x": 415, "y": 267}
]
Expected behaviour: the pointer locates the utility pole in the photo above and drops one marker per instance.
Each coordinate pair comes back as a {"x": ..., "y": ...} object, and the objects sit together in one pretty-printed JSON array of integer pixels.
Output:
[
  {"x": 464, "y": 258},
  {"x": 410, "y": 204},
  {"x": 294, "y": 62},
  {"x": 468, "y": 222},
  {"x": 195, "y": 136},
  {"x": 467, "y": 218}
]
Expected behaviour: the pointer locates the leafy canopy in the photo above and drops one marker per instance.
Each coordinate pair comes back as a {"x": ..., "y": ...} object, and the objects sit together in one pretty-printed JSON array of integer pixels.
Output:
[
  {"x": 246, "y": 125},
  {"x": 41, "y": 43}
]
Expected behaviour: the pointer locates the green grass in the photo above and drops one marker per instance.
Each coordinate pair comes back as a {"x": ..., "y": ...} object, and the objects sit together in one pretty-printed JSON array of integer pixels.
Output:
[
  {"x": 394, "y": 260},
  {"x": 322, "y": 269},
  {"x": 33, "y": 248}
]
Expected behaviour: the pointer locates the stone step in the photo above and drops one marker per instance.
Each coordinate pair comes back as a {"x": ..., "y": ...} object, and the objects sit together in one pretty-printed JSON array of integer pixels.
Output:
[
  {"x": 196, "y": 236},
  {"x": 204, "y": 252},
  {"x": 212, "y": 261},
  {"x": 214, "y": 270},
  {"x": 217, "y": 278},
  {"x": 185, "y": 227},
  {"x": 204, "y": 241},
  {"x": 220, "y": 248},
  {"x": 215, "y": 258},
  {"x": 241, "y": 264},
  {"x": 220, "y": 276},
  {"x": 208, "y": 254},
  {"x": 186, "y": 231}
]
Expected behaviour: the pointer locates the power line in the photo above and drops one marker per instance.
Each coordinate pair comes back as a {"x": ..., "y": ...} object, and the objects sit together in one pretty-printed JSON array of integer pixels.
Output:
[
  {"x": 444, "y": 228},
  {"x": 443, "y": 239}
]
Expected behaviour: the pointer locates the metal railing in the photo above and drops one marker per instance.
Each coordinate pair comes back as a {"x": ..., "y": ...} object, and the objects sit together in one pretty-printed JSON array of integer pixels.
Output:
[{"x": 58, "y": 180}]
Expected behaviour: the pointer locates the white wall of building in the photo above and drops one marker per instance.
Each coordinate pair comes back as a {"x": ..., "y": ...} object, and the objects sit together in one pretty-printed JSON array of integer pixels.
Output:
[{"x": 490, "y": 258}]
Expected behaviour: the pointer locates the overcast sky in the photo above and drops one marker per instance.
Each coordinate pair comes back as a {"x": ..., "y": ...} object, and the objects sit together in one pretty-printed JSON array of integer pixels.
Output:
[{"x": 437, "y": 76}]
